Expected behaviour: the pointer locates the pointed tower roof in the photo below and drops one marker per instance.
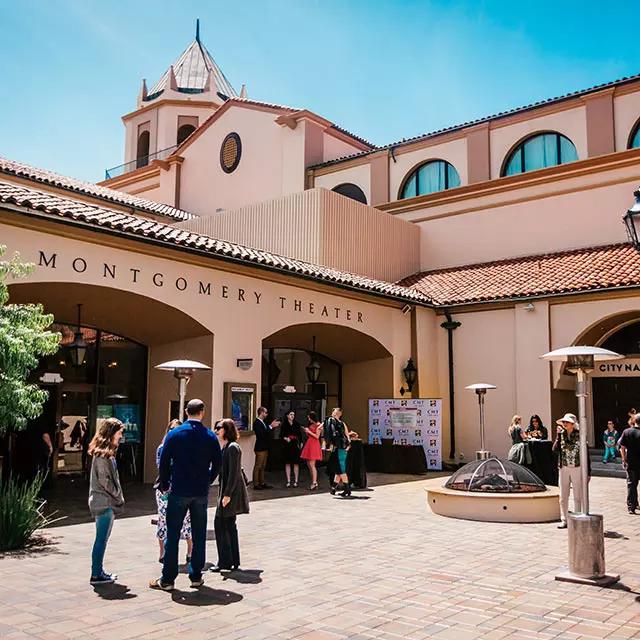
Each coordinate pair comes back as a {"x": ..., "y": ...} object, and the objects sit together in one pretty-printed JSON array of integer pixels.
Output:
[{"x": 191, "y": 71}]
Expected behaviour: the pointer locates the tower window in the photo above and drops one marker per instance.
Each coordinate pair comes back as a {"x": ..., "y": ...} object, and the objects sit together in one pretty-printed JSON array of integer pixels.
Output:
[
  {"x": 352, "y": 191},
  {"x": 184, "y": 132},
  {"x": 142, "y": 150},
  {"x": 230, "y": 152}
]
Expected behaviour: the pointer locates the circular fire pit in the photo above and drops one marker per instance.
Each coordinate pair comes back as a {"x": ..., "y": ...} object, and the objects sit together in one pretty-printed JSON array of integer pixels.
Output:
[{"x": 494, "y": 491}]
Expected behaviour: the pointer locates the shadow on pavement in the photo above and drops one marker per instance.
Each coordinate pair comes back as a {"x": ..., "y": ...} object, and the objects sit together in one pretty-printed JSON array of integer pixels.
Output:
[
  {"x": 244, "y": 576},
  {"x": 205, "y": 597},
  {"x": 114, "y": 592}
]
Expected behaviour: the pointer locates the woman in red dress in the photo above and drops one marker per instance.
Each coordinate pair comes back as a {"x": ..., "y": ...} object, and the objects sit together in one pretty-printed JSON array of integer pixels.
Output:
[{"x": 312, "y": 451}]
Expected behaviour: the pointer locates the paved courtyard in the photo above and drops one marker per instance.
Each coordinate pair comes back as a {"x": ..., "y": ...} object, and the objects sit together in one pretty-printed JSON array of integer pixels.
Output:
[{"x": 316, "y": 567}]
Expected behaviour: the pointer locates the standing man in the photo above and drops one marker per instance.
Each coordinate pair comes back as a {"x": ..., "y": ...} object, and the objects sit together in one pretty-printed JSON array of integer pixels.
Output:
[
  {"x": 189, "y": 463},
  {"x": 629, "y": 444},
  {"x": 261, "y": 447}
]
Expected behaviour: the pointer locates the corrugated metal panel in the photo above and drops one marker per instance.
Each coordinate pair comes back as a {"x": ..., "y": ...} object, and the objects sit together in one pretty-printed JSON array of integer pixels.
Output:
[{"x": 325, "y": 228}]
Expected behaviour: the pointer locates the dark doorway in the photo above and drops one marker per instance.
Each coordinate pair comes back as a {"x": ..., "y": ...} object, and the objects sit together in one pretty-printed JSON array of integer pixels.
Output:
[{"x": 613, "y": 399}]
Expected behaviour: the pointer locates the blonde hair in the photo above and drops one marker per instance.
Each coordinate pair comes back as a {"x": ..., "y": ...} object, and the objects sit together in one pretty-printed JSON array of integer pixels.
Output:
[
  {"x": 101, "y": 446},
  {"x": 514, "y": 423}
]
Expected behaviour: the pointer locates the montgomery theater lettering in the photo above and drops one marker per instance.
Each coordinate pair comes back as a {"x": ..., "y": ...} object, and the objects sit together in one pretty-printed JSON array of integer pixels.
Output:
[
  {"x": 111, "y": 271},
  {"x": 619, "y": 368}
]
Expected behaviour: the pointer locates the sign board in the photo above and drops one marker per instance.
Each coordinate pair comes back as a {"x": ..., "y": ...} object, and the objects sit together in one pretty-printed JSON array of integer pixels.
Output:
[
  {"x": 624, "y": 368},
  {"x": 239, "y": 403},
  {"x": 409, "y": 422}
]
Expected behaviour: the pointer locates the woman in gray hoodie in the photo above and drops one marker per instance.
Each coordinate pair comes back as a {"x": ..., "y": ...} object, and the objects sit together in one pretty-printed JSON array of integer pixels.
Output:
[{"x": 105, "y": 493}]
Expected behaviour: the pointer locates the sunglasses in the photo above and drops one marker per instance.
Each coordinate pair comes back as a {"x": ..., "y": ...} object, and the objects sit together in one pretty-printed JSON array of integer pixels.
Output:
[{"x": 217, "y": 428}]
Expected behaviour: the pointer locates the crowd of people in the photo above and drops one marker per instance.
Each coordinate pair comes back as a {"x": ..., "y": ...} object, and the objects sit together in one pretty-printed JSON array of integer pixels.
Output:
[
  {"x": 566, "y": 446},
  {"x": 189, "y": 459}
]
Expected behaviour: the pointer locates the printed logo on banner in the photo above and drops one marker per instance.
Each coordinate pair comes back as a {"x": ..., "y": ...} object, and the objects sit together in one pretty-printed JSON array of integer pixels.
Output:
[
  {"x": 376, "y": 441},
  {"x": 389, "y": 432},
  {"x": 403, "y": 441},
  {"x": 433, "y": 443},
  {"x": 376, "y": 421},
  {"x": 419, "y": 441},
  {"x": 376, "y": 403},
  {"x": 432, "y": 423},
  {"x": 418, "y": 432}
]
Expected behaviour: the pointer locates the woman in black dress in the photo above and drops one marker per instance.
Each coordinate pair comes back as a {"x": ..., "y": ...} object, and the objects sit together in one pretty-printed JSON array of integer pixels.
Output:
[{"x": 291, "y": 433}]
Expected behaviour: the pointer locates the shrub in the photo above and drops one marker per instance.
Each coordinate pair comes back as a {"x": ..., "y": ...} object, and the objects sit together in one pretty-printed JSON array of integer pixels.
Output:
[{"x": 21, "y": 512}]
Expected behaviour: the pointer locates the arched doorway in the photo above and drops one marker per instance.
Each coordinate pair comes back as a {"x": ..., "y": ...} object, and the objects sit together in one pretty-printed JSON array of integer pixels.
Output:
[
  {"x": 353, "y": 368},
  {"x": 616, "y": 385},
  {"x": 127, "y": 335}
]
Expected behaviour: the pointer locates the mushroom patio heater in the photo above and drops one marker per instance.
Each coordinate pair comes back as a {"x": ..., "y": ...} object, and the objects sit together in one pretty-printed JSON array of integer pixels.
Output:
[
  {"x": 481, "y": 390},
  {"x": 586, "y": 530},
  {"x": 183, "y": 370}
]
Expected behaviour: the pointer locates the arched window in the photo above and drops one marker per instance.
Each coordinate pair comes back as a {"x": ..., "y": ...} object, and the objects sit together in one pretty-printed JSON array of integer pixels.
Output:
[
  {"x": 634, "y": 140},
  {"x": 432, "y": 176},
  {"x": 184, "y": 132},
  {"x": 142, "y": 151},
  {"x": 540, "y": 151},
  {"x": 352, "y": 191}
]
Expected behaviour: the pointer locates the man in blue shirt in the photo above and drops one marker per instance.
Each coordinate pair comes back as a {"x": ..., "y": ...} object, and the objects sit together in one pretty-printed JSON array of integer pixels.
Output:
[{"x": 189, "y": 463}]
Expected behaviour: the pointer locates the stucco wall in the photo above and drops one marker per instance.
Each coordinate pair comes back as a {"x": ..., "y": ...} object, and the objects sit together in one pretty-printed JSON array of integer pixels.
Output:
[
  {"x": 360, "y": 176},
  {"x": 626, "y": 111}
]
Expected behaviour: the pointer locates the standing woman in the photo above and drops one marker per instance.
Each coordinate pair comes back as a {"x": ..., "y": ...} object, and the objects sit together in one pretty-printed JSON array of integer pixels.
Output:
[
  {"x": 312, "y": 451},
  {"x": 105, "y": 493},
  {"x": 291, "y": 433},
  {"x": 161, "y": 502},
  {"x": 342, "y": 443},
  {"x": 233, "y": 498}
]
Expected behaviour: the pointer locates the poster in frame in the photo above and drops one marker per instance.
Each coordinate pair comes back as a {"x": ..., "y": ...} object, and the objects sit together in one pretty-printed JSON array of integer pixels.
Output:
[{"x": 240, "y": 404}]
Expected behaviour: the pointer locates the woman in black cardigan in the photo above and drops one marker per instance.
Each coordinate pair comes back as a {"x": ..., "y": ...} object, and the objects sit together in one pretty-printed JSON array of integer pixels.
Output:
[{"x": 233, "y": 498}]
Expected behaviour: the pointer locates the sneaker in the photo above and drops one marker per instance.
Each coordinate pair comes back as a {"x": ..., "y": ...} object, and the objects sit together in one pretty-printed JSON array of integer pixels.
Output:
[
  {"x": 258, "y": 487},
  {"x": 562, "y": 525},
  {"x": 163, "y": 586},
  {"x": 333, "y": 489},
  {"x": 267, "y": 486},
  {"x": 196, "y": 584},
  {"x": 632, "y": 512},
  {"x": 217, "y": 569},
  {"x": 100, "y": 580}
]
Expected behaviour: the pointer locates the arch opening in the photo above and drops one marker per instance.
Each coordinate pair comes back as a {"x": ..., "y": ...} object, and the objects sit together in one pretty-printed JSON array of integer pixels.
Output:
[
  {"x": 352, "y": 191},
  {"x": 142, "y": 150},
  {"x": 540, "y": 150},
  {"x": 184, "y": 132}
]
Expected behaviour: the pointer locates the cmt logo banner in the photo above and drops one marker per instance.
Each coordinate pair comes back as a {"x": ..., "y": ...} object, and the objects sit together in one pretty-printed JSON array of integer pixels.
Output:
[{"x": 410, "y": 422}]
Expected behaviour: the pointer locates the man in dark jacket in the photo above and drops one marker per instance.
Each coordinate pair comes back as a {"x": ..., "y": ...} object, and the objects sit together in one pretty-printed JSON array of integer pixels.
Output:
[
  {"x": 629, "y": 444},
  {"x": 261, "y": 448},
  {"x": 189, "y": 463}
]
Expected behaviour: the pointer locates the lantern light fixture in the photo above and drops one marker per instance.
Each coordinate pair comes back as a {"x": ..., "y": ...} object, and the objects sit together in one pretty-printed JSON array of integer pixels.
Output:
[
  {"x": 410, "y": 374},
  {"x": 78, "y": 348}
]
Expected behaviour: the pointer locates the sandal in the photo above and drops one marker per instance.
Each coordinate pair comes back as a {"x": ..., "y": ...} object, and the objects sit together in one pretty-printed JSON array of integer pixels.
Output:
[
  {"x": 295, "y": 484},
  {"x": 288, "y": 484},
  {"x": 313, "y": 486}
]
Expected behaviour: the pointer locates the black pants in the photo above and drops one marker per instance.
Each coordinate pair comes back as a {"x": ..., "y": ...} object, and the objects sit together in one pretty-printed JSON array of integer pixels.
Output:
[
  {"x": 633, "y": 475},
  {"x": 227, "y": 542}
]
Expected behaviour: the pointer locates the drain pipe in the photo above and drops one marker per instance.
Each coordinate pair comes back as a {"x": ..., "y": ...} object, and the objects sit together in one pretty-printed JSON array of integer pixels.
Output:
[{"x": 451, "y": 325}]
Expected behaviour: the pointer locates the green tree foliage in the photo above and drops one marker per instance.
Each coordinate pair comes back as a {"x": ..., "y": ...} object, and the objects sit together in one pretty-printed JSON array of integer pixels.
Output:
[{"x": 23, "y": 340}]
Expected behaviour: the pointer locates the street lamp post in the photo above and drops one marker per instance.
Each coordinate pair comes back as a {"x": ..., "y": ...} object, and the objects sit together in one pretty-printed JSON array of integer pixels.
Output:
[
  {"x": 183, "y": 370},
  {"x": 586, "y": 530},
  {"x": 481, "y": 390}
]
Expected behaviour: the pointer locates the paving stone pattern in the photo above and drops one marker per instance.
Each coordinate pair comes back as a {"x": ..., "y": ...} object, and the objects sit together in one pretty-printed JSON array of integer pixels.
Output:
[{"x": 318, "y": 567}]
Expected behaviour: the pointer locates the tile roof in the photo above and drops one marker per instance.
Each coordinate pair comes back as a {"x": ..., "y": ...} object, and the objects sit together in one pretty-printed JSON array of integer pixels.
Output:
[
  {"x": 87, "y": 188},
  {"x": 191, "y": 70},
  {"x": 58, "y": 207},
  {"x": 471, "y": 123},
  {"x": 590, "y": 269}
]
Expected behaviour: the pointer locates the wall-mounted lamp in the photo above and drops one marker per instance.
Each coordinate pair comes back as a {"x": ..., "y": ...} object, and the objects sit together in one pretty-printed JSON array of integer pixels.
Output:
[
  {"x": 410, "y": 374},
  {"x": 244, "y": 363},
  {"x": 78, "y": 348},
  {"x": 529, "y": 307},
  {"x": 313, "y": 368}
]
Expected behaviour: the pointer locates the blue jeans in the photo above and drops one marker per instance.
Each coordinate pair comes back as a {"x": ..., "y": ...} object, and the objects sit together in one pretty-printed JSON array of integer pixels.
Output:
[
  {"x": 609, "y": 453},
  {"x": 177, "y": 508},
  {"x": 227, "y": 542},
  {"x": 104, "y": 524}
]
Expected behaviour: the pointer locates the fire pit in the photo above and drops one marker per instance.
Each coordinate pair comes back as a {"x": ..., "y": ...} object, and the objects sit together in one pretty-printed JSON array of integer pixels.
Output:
[{"x": 494, "y": 490}]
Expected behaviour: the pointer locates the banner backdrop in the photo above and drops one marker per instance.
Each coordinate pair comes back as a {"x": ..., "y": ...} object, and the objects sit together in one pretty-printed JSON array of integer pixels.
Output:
[{"x": 409, "y": 422}]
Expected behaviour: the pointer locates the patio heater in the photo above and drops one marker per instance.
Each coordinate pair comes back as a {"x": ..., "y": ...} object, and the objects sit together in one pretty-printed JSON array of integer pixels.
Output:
[
  {"x": 586, "y": 530},
  {"x": 183, "y": 370},
  {"x": 481, "y": 391}
]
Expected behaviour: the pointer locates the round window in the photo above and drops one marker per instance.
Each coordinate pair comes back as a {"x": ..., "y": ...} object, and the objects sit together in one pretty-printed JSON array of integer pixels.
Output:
[{"x": 230, "y": 152}]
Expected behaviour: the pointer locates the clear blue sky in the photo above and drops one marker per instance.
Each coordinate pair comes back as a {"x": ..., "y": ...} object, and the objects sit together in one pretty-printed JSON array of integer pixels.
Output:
[{"x": 384, "y": 69}]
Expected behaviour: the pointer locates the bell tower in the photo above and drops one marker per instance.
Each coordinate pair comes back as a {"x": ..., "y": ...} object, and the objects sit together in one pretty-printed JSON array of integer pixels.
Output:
[{"x": 190, "y": 91}]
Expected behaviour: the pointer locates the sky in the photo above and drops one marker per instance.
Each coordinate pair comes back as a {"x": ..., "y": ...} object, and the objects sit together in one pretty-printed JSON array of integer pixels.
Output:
[{"x": 383, "y": 69}]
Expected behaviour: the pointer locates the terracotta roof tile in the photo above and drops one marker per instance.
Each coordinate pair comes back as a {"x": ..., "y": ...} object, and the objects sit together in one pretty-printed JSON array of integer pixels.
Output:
[
  {"x": 87, "y": 188},
  {"x": 590, "y": 269},
  {"x": 56, "y": 206}
]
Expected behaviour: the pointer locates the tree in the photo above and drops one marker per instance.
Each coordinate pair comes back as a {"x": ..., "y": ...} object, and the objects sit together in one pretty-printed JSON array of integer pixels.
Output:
[{"x": 24, "y": 339}]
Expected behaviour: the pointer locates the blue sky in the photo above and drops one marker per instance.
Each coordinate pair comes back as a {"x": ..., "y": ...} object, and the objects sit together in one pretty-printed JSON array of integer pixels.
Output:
[{"x": 384, "y": 69}]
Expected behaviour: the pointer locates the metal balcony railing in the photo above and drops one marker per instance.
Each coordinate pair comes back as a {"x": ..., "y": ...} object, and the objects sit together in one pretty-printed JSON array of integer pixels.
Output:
[{"x": 127, "y": 167}]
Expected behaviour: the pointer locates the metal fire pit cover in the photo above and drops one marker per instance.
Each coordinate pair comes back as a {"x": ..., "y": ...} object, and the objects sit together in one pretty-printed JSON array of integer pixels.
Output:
[{"x": 495, "y": 476}]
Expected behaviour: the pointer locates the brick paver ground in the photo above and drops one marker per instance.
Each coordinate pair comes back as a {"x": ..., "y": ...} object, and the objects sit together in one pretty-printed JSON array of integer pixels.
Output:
[{"x": 321, "y": 568}]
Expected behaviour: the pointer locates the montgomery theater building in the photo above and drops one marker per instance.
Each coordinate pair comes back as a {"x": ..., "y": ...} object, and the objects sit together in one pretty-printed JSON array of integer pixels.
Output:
[{"x": 261, "y": 239}]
